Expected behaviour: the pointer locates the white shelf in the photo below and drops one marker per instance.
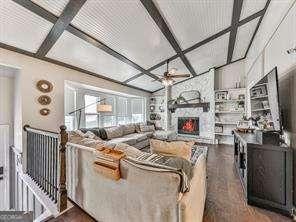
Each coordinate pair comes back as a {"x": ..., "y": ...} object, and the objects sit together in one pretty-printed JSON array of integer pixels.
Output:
[
  {"x": 229, "y": 100},
  {"x": 259, "y": 97},
  {"x": 223, "y": 134},
  {"x": 226, "y": 123},
  {"x": 259, "y": 110},
  {"x": 229, "y": 112},
  {"x": 231, "y": 89}
]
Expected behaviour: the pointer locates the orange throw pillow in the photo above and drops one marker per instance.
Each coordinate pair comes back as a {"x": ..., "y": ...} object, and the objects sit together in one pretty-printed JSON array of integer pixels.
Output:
[{"x": 174, "y": 148}]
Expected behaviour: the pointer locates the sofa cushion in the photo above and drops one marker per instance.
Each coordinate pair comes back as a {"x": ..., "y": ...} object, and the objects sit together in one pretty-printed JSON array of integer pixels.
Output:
[
  {"x": 94, "y": 130},
  {"x": 174, "y": 148},
  {"x": 128, "y": 128},
  {"x": 114, "y": 132},
  {"x": 127, "y": 140},
  {"x": 148, "y": 134},
  {"x": 128, "y": 150},
  {"x": 147, "y": 128},
  {"x": 137, "y": 136}
]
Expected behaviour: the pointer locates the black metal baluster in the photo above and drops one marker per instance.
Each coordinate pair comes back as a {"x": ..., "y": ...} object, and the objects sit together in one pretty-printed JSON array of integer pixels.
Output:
[
  {"x": 34, "y": 156},
  {"x": 47, "y": 164},
  {"x": 54, "y": 170},
  {"x": 28, "y": 153},
  {"x": 42, "y": 159},
  {"x": 51, "y": 167},
  {"x": 56, "y": 167}
]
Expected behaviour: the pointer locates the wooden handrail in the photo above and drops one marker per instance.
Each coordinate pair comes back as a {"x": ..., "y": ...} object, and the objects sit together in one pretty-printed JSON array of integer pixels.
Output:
[{"x": 28, "y": 128}]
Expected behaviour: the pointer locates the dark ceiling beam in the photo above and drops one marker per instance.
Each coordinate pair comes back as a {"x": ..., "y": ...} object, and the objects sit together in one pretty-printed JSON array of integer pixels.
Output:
[
  {"x": 60, "y": 26},
  {"x": 159, "y": 20},
  {"x": 203, "y": 42},
  {"x": 31, "y": 6},
  {"x": 105, "y": 48},
  {"x": 236, "y": 11},
  {"x": 27, "y": 53},
  {"x": 80, "y": 34},
  {"x": 257, "y": 27}
]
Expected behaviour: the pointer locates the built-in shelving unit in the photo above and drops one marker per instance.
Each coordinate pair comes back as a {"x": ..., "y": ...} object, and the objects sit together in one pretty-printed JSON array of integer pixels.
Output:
[{"x": 229, "y": 109}]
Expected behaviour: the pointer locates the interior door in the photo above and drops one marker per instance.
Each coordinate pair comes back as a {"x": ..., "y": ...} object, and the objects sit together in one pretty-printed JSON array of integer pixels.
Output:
[{"x": 4, "y": 167}]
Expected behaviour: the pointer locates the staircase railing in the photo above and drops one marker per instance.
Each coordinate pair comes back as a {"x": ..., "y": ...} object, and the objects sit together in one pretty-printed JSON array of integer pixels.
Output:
[{"x": 46, "y": 162}]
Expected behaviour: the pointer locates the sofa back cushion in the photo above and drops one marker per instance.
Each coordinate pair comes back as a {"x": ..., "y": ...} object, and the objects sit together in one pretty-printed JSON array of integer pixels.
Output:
[
  {"x": 174, "y": 148},
  {"x": 128, "y": 128},
  {"x": 147, "y": 128},
  {"x": 114, "y": 132}
]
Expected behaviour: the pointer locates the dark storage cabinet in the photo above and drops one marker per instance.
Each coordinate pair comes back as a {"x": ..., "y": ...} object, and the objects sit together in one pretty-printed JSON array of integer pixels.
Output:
[{"x": 265, "y": 172}]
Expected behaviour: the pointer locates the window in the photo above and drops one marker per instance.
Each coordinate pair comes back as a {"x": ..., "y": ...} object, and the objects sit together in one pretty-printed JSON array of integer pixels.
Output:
[
  {"x": 137, "y": 110},
  {"x": 124, "y": 110},
  {"x": 91, "y": 115},
  {"x": 122, "y": 115},
  {"x": 108, "y": 121},
  {"x": 69, "y": 122}
]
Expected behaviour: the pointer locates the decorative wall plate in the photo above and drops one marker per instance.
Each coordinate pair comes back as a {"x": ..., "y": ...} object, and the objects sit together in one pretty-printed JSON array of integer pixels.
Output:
[
  {"x": 44, "y": 100},
  {"x": 44, "y": 111},
  {"x": 44, "y": 86}
]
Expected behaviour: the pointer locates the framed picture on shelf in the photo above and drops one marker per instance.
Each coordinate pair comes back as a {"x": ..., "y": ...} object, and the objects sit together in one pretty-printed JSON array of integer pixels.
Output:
[
  {"x": 218, "y": 129},
  {"x": 259, "y": 91},
  {"x": 221, "y": 95}
]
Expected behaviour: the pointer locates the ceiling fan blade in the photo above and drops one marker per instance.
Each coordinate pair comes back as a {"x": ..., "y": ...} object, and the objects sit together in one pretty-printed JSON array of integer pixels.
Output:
[
  {"x": 180, "y": 76},
  {"x": 154, "y": 80}
]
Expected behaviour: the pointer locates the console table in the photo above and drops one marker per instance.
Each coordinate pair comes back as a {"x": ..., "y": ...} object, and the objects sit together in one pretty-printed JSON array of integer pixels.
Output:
[{"x": 265, "y": 172}]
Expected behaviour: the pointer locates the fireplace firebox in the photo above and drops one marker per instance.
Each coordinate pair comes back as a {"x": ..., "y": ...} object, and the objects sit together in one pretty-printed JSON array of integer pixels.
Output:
[{"x": 188, "y": 125}]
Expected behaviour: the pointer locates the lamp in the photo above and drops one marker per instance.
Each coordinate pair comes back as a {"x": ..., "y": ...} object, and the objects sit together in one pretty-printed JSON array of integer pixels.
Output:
[
  {"x": 100, "y": 108},
  {"x": 104, "y": 108},
  {"x": 167, "y": 82}
]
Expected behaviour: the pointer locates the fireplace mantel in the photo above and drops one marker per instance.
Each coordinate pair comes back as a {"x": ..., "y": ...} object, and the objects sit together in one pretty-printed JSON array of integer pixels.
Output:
[{"x": 204, "y": 105}]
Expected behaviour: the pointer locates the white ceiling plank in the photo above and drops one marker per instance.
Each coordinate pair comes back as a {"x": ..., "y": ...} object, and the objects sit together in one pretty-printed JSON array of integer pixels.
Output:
[
  {"x": 251, "y": 6},
  {"x": 54, "y": 6},
  {"x": 146, "y": 82},
  {"x": 194, "y": 21},
  {"x": 75, "y": 51},
  {"x": 212, "y": 54},
  {"x": 21, "y": 28},
  {"x": 126, "y": 27},
  {"x": 243, "y": 38}
]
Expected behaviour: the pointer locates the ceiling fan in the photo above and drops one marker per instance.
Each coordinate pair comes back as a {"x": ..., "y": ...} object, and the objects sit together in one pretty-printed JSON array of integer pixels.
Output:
[{"x": 168, "y": 76}]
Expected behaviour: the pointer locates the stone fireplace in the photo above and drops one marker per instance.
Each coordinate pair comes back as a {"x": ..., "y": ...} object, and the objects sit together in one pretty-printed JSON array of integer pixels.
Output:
[{"x": 188, "y": 125}]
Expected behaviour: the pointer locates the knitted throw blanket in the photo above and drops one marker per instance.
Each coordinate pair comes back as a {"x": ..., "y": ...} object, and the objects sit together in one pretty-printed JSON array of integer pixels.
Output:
[{"x": 180, "y": 166}]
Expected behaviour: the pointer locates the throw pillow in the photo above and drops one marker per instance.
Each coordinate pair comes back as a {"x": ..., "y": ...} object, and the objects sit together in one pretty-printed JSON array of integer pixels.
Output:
[
  {"x": 174, "y": 148},
  {"x": 128, "y": 128},
  {"x": 147, "y": 128},
  {"x": 114, "y": 132},
  {"x": 90, "y": 135},
  {"x": 128, "y": 150}
]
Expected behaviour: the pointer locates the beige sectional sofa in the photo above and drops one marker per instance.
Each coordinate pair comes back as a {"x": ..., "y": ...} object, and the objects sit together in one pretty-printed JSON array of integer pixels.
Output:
[
  {"x": 136, "y": 135},
  {"x": 141, "y": 195}
]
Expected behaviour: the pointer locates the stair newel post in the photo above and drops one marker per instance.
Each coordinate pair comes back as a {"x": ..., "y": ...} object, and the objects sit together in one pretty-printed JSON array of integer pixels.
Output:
[{"x": 62, "y": 192}]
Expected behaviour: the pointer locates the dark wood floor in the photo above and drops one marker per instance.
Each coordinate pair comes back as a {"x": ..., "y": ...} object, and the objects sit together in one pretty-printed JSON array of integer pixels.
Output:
[{"x": 225, "y": 201}]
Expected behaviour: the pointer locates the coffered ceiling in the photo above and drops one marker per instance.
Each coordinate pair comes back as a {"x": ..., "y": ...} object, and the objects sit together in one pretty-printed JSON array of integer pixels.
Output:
[{"x": 129, "y": 41}]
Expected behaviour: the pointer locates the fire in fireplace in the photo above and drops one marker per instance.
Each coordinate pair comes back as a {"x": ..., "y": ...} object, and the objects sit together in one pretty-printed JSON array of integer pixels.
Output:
[{"x": 188, "y": 125}]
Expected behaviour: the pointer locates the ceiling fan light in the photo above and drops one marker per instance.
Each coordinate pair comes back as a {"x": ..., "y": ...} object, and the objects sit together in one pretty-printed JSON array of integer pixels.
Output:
[{"x": 167, "y": 82}]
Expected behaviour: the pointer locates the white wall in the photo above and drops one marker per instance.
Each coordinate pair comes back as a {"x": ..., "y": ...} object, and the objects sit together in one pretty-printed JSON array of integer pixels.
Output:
[
  {"x": 276, "y": 34},
  {"x": 33, "y": 70},
  {"x": 228, "y": 76},
  {"x": 7, "y": 78}
]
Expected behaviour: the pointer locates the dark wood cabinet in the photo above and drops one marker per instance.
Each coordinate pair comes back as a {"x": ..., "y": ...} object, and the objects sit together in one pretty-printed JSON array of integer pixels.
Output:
[{"x": 265, "y": 172}]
